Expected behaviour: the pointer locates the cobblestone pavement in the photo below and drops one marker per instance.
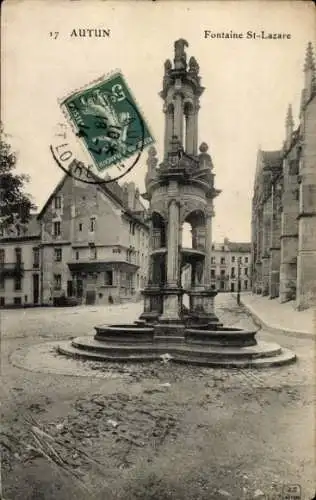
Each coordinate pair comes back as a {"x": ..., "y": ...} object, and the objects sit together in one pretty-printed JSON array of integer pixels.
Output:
[{"x": 121, "y": 429}]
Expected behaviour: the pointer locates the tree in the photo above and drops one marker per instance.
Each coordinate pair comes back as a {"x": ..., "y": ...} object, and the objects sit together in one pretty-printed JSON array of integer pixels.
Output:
[{"x": 15, "y": 204}]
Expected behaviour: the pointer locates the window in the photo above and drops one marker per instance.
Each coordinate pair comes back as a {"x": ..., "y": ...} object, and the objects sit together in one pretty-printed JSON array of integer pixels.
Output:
[
  {"x": 57, "y": 202},
  {"x": 2, "y": 256},
  {"x": 222, "y": 285},
  {"x": 77, "y": 255},
  {"x": 212, "y": 260},
  {"x": 58, "y": 254},
  {"x": 222, "y": 273},
  {"x": 108, "y": 278},
  {"x": 18, "y": 255},
  {"x": 212, "y": 273},
  {"x": 1, "y": 234},
  {"x": 213, "y": 247},
  {"x": 17, "y": 283},
  {"x": 56, "y": 228},
  {"x": 57, "y": 281},
  {"x": 223, "y": 249},
  {"x": 222, "y": 260},
  {"x": 246, "y": 271},
  {"x": 93, "y": 252},
  {"x": 35, "y": 257},
  {"x": 80, "y": 226},
  {"x": 92, "y": 224},
  {"x": 246, "y": 284},
  {"x": 233, "y": 272},
  {"x": 233, "y": 258},
  {"x": 17, "y": 301},
  {"x": 246, "y": 260},
  {"x": 2, "y": 301}
]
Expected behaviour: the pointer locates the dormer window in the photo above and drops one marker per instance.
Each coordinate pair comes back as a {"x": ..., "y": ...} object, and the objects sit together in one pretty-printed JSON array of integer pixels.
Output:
[{"x": 57, "y": 202}]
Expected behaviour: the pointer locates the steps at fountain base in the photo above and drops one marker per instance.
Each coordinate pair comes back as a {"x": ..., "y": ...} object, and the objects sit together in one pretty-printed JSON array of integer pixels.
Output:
[{"x": 260, "y": 356}]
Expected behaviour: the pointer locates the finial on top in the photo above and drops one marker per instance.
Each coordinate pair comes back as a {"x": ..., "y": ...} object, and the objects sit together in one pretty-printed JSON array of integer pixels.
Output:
[
  {"x": 194, "y": 66},
  {"x": 203, "y": 147},
  {"x": 168, "y": 65},
  {"x": 289, "y": 117},
  {"x": 309, "y": 58},
  {"x": 180, "y": 57}
]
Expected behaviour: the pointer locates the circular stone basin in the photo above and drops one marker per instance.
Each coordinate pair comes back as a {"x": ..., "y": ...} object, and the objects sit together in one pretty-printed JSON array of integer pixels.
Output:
[
  {"x": 221, "y": 336},
  {"x": 123, "y": 333}
]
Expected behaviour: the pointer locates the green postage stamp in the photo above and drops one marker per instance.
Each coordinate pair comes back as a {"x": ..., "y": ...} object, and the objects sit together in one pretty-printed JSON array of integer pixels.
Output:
[{"x": 107, "y": 120}]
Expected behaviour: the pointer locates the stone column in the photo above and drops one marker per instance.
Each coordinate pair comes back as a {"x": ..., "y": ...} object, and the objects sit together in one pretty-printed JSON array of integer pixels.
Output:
[
  {"x": 289, "y": 236},
  {"x": 178, "y": 117},
  {"x": 171, "y": 301},
  {"x": 190, "y": 133},
  {"x": 266, "y": 246},
  {"x": 195, "y": 129},
  {"x": 275, "y": 248},
  {"x": 173, "y": 244},
  {"x": 168, "y": 110},
  {"x": 208, "y": 246}
]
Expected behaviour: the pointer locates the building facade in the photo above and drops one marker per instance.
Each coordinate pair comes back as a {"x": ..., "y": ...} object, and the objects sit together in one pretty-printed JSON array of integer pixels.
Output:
[
  {"x": 89, "y": 243},
  {"x": 284, "y": 207},
  {"x": 231, "y": 267}
]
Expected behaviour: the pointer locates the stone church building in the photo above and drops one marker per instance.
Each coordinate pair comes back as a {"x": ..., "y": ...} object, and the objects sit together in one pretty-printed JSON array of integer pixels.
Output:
[{"x": 284, "y": 207}]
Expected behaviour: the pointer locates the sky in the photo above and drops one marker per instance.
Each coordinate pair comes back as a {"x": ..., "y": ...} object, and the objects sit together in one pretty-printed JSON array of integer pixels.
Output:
[{"x": 248, "y": 83}]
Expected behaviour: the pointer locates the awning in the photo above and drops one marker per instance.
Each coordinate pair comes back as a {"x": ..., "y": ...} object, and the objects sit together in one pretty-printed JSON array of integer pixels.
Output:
[{"x": 99, "y": 266}]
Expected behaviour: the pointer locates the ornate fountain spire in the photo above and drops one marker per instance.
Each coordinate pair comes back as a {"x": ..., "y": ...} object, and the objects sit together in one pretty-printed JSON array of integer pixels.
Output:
[
  {"x": 180, "y": 57},
  {"x": 289, "y": 124}
]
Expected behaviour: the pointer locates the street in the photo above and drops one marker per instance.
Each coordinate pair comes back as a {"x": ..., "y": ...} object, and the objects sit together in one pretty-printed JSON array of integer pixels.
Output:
[{"x": 80, "y": 429}]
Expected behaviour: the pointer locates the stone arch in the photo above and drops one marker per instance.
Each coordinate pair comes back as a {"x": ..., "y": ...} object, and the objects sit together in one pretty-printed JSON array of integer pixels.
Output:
[
  {"x": 158, "y": 230},
  {"x": 196, "y": 218}
]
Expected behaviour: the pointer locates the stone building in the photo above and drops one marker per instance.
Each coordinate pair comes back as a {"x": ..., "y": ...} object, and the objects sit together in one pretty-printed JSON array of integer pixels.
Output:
[
  {"x": 20, "y": 265},
  {"x": 230, "y": 263},
  {"x": 284, "y": 207},
  {"x": 90, "y": 244}
]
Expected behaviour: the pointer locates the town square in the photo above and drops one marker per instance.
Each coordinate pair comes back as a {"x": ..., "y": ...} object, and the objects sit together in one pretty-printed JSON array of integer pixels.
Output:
[{"x": 157, "y": 316}]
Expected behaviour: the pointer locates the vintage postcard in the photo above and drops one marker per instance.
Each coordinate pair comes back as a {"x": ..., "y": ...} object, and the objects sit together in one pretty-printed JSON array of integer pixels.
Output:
[{"x": 158, "y": 250}]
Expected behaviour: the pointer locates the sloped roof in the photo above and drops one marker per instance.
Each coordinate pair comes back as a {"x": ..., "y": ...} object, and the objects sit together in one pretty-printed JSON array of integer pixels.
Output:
[
  {"x": 239, "y": 247},
  {"x": 232, "y": 246},
  {"x": 111, "y": 189}
]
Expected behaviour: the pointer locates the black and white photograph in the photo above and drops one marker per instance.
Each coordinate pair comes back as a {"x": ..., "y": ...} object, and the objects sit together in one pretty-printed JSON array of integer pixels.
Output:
[{"x": 158, "y": 250}]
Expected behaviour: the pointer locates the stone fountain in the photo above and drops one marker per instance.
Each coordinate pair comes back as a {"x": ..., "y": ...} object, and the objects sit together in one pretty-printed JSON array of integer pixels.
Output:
[{"x": 181, "y": 189}]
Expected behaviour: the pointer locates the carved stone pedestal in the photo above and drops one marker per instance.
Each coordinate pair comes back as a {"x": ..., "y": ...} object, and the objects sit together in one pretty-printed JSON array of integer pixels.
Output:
[{"x": 153, "y": 303}]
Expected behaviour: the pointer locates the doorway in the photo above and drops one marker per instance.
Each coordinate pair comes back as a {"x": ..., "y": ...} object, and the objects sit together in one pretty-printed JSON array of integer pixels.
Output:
[{"x": 35, "y": 288}]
